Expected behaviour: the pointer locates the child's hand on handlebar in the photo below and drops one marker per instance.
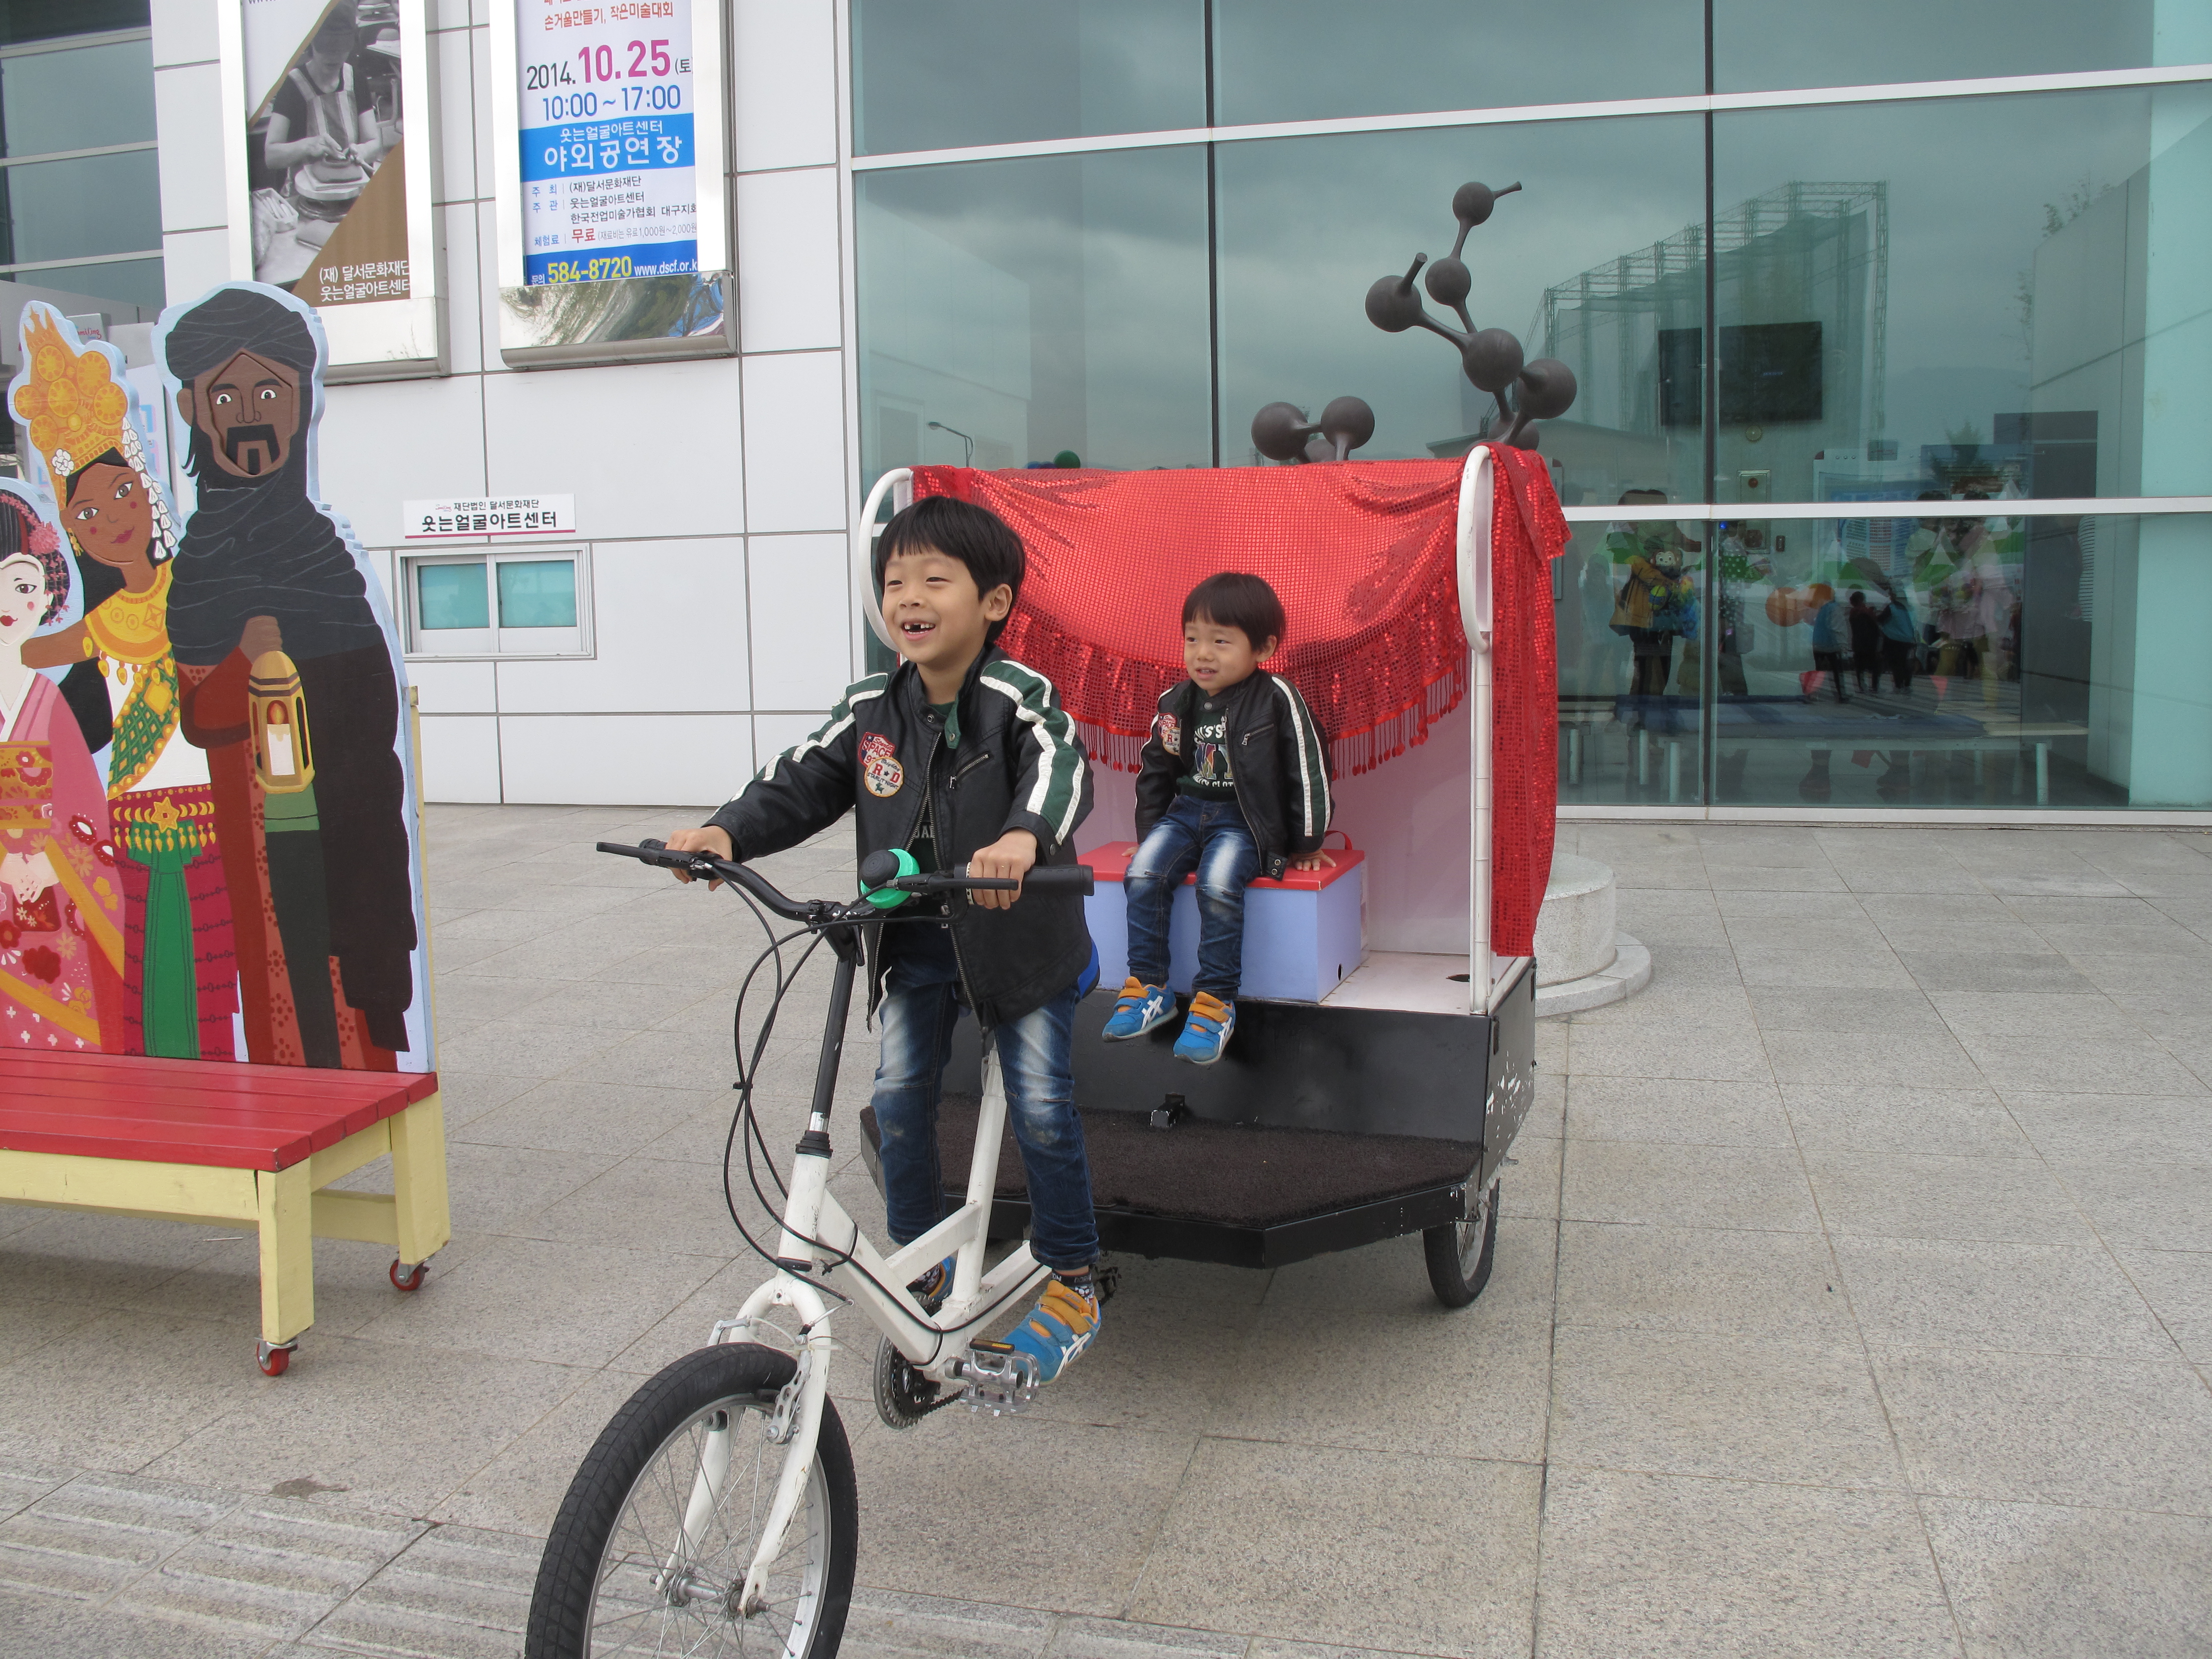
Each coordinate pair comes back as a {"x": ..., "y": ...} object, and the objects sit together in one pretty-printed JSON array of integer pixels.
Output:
[
  {"x": 707, "y": 839},
  {"x": 1007, "y": 859}
]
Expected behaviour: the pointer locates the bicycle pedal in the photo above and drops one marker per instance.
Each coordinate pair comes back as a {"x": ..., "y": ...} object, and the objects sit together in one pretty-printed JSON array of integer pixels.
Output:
[{"x": 996, "y": 1377}]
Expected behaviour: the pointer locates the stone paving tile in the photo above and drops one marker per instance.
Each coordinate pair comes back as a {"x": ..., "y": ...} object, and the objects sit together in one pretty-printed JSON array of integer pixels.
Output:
[
  {"x": 1733, "y": 1567},
  {"x": 2026, "y": 1298},
  {"x": 1905, "y": 1195},
  {"x": 92, "y": 1537},
  {"x": 1427, "y": 1555},
  {"x": 1937, "y": 1122},
  {"x": 454, "y": 1593},
  {"x": 274, "y": 1566},
  {"x": 2043, "y": 1581}
]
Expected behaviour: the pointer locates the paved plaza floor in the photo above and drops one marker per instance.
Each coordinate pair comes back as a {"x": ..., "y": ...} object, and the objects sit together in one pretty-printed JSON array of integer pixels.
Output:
[{"x": 1854, "y": 1297}]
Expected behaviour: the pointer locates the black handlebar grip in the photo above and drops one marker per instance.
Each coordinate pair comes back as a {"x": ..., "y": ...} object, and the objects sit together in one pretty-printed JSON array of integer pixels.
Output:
[
  {"x": 877, "y": 868},
  {"x": 1059, "y": 879}
]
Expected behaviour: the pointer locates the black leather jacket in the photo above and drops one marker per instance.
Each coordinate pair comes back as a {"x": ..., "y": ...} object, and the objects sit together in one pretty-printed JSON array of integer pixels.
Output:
[
  {"x": 882, "y": 754},
  {"x": 1278, "y": 759}
]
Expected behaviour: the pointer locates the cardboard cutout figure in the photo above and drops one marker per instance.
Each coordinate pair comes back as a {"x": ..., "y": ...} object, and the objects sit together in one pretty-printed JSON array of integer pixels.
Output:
[
  {"x": 289, "y": 682},
  {"x": 180, "y": 976},
  {"x": 61, "y": 897}
]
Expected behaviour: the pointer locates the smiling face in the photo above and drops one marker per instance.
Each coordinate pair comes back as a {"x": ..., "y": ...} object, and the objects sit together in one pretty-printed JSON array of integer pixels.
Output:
[
  {"x": 249, "y": 408},
  {"x": 22, "y": 597},
  {"x": 109, "y": 516},
  {"x": 1218, "y": 655},
  {"x": 932, "y": 608}
]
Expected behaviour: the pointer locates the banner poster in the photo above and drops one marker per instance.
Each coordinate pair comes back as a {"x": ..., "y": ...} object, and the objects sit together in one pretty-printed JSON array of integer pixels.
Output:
[
  {"x": 609, "y": 180},
  {"x": 323, "y": 148}
]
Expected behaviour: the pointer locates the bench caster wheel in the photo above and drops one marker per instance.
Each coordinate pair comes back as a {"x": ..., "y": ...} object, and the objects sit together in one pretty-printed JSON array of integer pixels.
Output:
[
  {"x": 411, "y": 1280},
  {"x": 1460, "y": 1253},
  {"x": 276, "y": 1357}
]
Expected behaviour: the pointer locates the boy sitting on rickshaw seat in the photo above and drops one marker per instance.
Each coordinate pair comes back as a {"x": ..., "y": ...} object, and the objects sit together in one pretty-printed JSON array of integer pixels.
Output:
[
  {"x": 959, "y": 754},
  {"x": 1234, "y": 784}
]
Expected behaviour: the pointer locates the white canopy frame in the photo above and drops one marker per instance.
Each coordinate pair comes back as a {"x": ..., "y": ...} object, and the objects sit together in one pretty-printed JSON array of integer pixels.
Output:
[{"x": 1488, "y": 977}]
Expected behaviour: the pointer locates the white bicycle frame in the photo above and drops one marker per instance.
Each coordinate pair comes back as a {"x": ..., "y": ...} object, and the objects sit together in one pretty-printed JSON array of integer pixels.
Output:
[{"x": 827, "y": 1257}]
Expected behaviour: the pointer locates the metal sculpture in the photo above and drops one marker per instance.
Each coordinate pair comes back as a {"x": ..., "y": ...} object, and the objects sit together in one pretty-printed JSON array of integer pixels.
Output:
[
  {"x": 1282, "y": 433},
  {"x": 1491, "y": 357}
]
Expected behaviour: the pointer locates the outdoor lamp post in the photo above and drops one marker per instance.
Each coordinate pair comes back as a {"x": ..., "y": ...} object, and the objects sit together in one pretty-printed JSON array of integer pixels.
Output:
[{"x": 968, "y": 450}]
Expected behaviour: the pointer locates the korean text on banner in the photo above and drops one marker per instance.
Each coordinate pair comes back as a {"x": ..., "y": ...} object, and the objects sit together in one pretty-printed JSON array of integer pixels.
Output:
[{"x": 609, "y": 175}]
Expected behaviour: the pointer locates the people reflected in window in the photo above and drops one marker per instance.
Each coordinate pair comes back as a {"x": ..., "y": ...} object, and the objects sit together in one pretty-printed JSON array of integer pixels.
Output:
[{"x": 1657, "y": 600}]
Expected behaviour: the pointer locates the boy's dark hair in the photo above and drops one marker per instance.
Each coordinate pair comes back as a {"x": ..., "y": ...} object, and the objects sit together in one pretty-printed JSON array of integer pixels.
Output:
[
  {"x": 978, "y": 537},
  {"x": 1234, "y": 600}
]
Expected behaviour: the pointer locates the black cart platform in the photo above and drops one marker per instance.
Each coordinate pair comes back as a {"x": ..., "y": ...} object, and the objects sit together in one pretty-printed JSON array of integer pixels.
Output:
[{"x": 1322, "y": 1128}]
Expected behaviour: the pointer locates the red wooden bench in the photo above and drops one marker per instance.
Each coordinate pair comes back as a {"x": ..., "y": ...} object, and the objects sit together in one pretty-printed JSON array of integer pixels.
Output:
[{"x": 223, "y": 1141}]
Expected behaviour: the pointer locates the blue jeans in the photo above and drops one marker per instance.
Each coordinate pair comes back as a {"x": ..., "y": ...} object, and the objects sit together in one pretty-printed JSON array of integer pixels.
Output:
[
  {"x": 916, "y": 1017},
  {"x": 1211, "y": 838}
]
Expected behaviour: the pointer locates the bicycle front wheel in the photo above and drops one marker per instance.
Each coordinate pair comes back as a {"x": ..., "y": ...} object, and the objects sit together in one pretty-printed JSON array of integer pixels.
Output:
[{"x": 650, "y": 1550}]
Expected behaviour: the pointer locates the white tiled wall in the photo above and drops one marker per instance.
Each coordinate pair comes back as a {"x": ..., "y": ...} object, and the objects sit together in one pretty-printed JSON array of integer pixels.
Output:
[{"x": 711, "y": 494}]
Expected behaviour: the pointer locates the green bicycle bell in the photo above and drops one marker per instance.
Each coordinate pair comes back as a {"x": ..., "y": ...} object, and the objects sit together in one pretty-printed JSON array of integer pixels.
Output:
[{"x": 879, "y": 869}]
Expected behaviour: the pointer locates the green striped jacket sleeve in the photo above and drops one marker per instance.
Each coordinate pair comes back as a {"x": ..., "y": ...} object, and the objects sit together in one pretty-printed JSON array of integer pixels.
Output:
[
  {"x": 1052, "y": 793},
  {"x": 804, "y": 790},
  {"x": 1304, "y": 750}
]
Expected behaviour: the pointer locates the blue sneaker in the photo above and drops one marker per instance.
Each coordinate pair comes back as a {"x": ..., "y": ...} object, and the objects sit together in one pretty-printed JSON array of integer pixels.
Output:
[
  {"x": 1063, "y": 1325},
  {"x": 1137, "y": 1009},
  {"x": 931, "y": 1289},
  {"x": 1205, "y": 1033}
]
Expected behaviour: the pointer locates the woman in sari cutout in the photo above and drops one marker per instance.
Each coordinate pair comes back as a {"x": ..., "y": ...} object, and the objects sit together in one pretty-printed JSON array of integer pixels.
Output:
[
  {"x": 61, "y": 897},
  {"x": 180, "y": 975}
]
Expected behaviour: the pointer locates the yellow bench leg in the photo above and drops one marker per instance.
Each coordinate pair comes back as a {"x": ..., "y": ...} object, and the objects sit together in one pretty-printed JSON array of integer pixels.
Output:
[
  {"x": 418, "y": 1180},
  {"x": 287, "y": 1204}
]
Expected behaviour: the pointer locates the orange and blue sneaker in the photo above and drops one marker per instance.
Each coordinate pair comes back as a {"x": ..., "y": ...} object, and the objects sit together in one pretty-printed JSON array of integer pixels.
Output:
[
  {"x": 1064, "y": 1323},
  {"x": 1138, "y": 1010},
  {"x": 1205, "y": 1033}
]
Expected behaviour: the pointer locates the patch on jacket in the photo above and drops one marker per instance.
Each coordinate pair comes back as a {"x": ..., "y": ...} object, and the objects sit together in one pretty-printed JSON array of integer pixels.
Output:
[
  {"x": 879, "y": 765},
  {"x": 1170, "y": 732}
]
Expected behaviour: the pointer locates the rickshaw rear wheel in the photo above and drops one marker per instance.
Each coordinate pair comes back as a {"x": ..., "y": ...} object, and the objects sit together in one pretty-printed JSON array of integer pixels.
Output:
[{"x": 1460, "y": 1253}]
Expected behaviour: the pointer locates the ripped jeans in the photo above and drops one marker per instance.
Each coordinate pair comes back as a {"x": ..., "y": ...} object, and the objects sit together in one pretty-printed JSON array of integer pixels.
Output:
[
  {"x": 1212, "y": 839},
  {"x": 916, "y": 1018}
]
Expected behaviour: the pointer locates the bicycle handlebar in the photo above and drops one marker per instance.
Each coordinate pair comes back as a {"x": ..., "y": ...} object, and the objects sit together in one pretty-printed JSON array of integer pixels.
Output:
[{"x": 1075, "y": 879}]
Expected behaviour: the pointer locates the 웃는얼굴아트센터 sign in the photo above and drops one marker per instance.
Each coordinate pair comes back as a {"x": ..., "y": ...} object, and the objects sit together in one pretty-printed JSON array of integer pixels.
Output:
[
  {"x": 605, "y": 116},
  {"x": 501, "y": 515}
]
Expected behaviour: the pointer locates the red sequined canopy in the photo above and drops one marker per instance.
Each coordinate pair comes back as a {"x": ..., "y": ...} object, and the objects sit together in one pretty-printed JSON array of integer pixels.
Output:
[{"x": 1362, "y": 554}]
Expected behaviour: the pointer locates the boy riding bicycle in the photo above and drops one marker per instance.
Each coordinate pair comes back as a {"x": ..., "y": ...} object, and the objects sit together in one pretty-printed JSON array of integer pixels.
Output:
[{"x": 960, "y": 755}]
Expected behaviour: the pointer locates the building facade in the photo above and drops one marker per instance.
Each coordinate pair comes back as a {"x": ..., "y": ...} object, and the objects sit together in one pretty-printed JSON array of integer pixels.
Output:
[{"x": 1891, "y": 325}]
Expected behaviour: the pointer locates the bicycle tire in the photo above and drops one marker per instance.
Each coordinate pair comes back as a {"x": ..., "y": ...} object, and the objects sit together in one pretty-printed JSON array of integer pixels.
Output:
[
  {"x": 1460, "y": 1253},
  {"x": 604, "y": 1563}
]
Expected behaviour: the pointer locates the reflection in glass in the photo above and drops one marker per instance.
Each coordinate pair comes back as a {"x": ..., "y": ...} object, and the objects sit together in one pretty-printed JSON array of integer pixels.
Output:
[
  {"x": 80, "y": 99},
  {"x": 93, "y": 205},
  {"x": 940, "y": 74},
  {"x": 138, "y": 283},
  {"x": 1763, "y": 44},
  {"x": 2002, "y": 661},
  {"x": 1632, "y": 640},
  {"x": 1306, "y": 224},
  {"x": 1037, "y": 307},
  {"x": 1967, "y": 304},
  {"x": 1293, "y": 60},
  {"x": 537, "y": 593},
  {"x": 452, "y": 596}
]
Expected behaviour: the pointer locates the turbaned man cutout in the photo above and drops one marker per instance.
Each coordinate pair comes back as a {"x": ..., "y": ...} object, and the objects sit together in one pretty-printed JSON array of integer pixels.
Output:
[{"x": 270, "y": 612}]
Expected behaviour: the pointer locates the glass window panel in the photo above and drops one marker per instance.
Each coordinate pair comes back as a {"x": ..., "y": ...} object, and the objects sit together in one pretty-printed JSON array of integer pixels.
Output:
[
  {"x": 1595, "y": 261},
  {"x": 1293, "y": 60},
  {"x": 1037, "y": 307},
  {"x": 95, "y": 204},
  {"x": 939, "y": 73},
  {"x": 452, "y": 596},
  {"x": 1761, "y": 43},
  {"x": 2008, "y": 662},
  {"x": 538, "y": 594},
  {"x": 42, "y": 20},
  {"x": 80, "y": 99},
  {"x": 1964, "y": 296},
  {"x": 1630, "y": 612},
  {"x": 136, "y": 283}
]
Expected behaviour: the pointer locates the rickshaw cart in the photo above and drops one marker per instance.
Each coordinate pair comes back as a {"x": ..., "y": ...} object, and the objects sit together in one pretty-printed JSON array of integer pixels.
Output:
[{"x": 1387, "y": 1104}]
